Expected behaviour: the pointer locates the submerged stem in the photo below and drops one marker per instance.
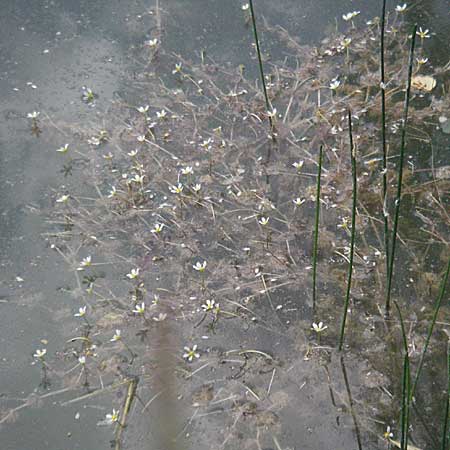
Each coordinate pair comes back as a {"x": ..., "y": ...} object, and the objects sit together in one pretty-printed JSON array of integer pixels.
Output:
[
  {"x": 261, "y": 69},
  {"x": 352, "y": 238},
  {"x": 400, "y": 173},
  {"x": 383, "y": 136},
  {"x": 316, "y": 227}
]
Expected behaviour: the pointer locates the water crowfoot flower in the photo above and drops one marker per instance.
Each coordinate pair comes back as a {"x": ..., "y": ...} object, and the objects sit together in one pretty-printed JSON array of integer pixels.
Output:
[
  {"x": 63, "y": 199},
  {"x": 199, "y": 267},
  {"x": 139, "y": 309},
  {"x": 161, "y": 114},
  {"x": 178, "y": 69},
  {"x": 388, "y": 434},
  {"x": 152, "y": 43},
  {"x": 81, "y": 312},
  {"x": 298, "y": 165},
  {"x": 298, "y": 201},
  {"x": 401, "y": 8},
  {"x": 423, "y": 34},
  {"x": 157, "y": 228},
  {"x": 117, "y": 336},
  {"x": 134, "y": 273},
  {"x": 63, "y": 149},
  {"x": 319, "y": 327},
  {"x": 113, "y": 417},
  {"x": 178, "y": 189},
  {"x": 143, "y": 109},
  {"x": 210, "y": 305},
  {"x": 40, "y": 354},
  {"x": 334, "y": 84},
  {"x": 88, "y": 95},
  {"x": 85, "y": 262},
  {"x": 191, "y": 353},
  {"x": 33, "y": 115}
]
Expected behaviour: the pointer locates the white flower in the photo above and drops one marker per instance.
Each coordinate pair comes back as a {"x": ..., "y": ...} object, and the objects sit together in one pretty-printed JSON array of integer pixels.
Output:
[
  {"x": 421, "y": 61},
  {"x": 116, "y": 337},
  {"x": 112, "y": 417},
  {"x": 206, "y": 144},
  {"x": 39, "y": 354},
  {"x": 108, "y": 156},
  {"x": 112, "y": 192},
  {"x": 160, "y": 317},
  {"x": 199, "y": 267},
  {"x": 346, "y": 42},
  {"x": 423, "y": 33},
  {"x": 298, "y": 201},
  {"x": 350, "y": 15},
  {"x": 178, "y": 189},
  {"x": 388, "y": 434},
  {"x": 63, "y": 149},
  {"x": 133, "y": 274},
  {"x": 138, "y": 179},
  {"x": 133, "y": 153},
  {"x": 191, "y": 353},
  {"x": 152, "y": 43},
  {"x": 334, "y": 84},
  {"x": 177, "y": 68},
  {"x": 401, "y": 8},
  {"x": 187, "y": 170},
  {"x": 85, "y": 262},
  {"x": 264, "y": 220},
  {"x": 139, "y": 309},
  {"x": 161, "y": 114},
  {"x": 272, "y": 114},
  {"x": 319, "y": 328},
  {"x": 63, "y": 199},
  {"x": 157, "y": 228},
  {"x": 210, "y": 305},
  {"x": 82, "y": 360},
  {"x": 196, "y": 187},
  {"x": 245, "y": 7},
  {"x": 298, "y": 165},
  {"x": 143, "y": 109},
  {"x": 344, "y": 223},
  {"x": 33, "y": 115},
  {"x": 81, "y": 312}
]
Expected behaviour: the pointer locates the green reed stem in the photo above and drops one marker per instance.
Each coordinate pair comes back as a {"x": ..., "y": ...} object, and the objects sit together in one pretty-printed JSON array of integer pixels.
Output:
[
  {"x": 406, "y": 386},
  {"x": 261, "y": 69},
  {"x": 437, "y": 307},
  {"x": 383, "y": 136},
  {"x": 352, "y": 238},
  {"x": 316, "y": 228},
  {"x": 400, "y": 172},
  {"x": 445, "y": 434}
]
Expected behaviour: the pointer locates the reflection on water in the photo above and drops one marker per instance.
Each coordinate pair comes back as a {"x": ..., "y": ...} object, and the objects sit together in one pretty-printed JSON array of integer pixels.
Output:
[{"x": 49, "y": 52}]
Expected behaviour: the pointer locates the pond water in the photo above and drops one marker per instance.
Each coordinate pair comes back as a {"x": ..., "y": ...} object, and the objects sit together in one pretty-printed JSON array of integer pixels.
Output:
[{"x": 262, "y": 381}]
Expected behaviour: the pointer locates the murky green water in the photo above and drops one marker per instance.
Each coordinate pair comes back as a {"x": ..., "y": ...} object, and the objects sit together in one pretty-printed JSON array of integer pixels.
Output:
[{"x": 49, "y": 52}]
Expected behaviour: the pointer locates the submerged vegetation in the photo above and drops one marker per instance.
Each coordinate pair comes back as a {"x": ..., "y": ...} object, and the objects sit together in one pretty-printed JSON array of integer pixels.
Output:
[{"x": 223, "y": 241}]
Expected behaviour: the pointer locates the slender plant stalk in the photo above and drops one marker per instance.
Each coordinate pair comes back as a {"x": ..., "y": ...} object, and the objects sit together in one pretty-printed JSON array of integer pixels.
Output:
[
  {"x": 261, "y": 69},
  {"x": 383, "y": 137},
  {"x": 406, "y": 386},
  {"x": 352, "y": 238},
  {"x": 316, "y": 229},
  {"x": 400, "y": 173},
  {"x": 445, "y": 435},
  {"x": 437, "y": 307},
  {"x": 350, "y": 402}
]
